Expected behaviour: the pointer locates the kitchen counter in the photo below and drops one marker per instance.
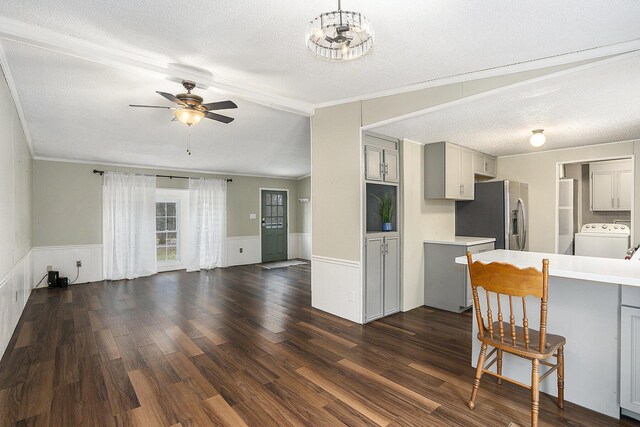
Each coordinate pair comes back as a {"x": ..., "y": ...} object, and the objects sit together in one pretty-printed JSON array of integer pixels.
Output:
[
  {"x": 584, "y": 302},
  {"x": 463, "y": 241},
  {"x": 607, "y": 270}
]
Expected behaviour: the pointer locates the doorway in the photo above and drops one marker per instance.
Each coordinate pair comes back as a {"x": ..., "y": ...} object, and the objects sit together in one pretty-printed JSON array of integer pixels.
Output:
[{"x": 274, "y": 224}]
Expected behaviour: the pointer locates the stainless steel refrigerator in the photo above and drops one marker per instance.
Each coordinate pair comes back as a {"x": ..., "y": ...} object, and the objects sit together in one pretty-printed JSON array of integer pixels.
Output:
[{"x": 499, "y": 210}]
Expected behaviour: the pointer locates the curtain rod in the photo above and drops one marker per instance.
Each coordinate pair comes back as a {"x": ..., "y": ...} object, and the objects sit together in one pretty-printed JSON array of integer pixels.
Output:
[{"x": 160, "y": 176}]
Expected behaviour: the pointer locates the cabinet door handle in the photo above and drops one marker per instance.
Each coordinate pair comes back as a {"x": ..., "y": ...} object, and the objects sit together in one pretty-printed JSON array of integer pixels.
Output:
[
  {"x": 612, "y": 204},
  {"x": 381, "y": 169},
  {"x": 462, "y": 189},
  {"x": 485, "y": 166}
]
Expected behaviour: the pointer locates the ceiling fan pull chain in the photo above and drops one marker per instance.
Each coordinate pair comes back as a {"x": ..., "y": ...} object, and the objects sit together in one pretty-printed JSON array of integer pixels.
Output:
[{"x": 189, "y": 140}]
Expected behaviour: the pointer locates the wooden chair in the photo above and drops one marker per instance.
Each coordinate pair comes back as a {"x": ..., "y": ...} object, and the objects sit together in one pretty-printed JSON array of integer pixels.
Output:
[{"x": 537, "y": 346}]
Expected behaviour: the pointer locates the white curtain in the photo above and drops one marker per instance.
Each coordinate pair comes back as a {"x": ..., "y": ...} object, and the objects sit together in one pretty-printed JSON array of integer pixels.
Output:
[
  {"x": 129, "y": 225},
  {"x": 208, "y": 223}
]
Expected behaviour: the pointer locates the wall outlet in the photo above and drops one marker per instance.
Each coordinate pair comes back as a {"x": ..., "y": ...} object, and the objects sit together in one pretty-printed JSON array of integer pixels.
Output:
[
  {"x": 78, "y": 264},
  {"x": 49, "y": 267},
  {"x": 352, "y": 296},
  {"x": 252, "y": 216},
  {"x": 241, "y": 250}
]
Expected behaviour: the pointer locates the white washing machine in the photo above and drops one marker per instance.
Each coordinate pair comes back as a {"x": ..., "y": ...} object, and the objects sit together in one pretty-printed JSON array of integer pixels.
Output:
[{"x": 603, "y": 240}]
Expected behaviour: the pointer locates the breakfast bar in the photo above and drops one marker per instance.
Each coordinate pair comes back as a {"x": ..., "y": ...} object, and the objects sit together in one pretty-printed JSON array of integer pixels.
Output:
[{"x": 586, "y": 298}]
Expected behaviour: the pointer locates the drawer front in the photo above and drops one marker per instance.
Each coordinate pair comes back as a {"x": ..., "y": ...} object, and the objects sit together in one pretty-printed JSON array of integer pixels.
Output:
[{"x": 481, "y": 248}]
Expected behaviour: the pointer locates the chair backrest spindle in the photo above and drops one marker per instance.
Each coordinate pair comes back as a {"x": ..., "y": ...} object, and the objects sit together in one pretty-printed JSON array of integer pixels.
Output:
[
  {"x": 489, "y": 315},
  {"x": 512, "y": 322}
]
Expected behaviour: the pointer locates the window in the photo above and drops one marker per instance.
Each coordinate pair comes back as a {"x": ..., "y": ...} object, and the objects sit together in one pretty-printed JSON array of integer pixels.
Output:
[{"x": 167, "y": 231}]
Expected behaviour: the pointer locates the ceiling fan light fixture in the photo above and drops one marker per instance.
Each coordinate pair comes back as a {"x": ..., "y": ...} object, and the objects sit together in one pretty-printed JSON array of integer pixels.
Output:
[
  {"x": 339, "y": 35},
  {"x": 189, "y": 116},
  {"x": 537, "y": 139}
]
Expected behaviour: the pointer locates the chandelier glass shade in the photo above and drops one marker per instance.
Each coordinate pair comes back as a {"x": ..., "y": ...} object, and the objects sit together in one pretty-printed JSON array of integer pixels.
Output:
[
  {"x": 340, "y": 35},
  {"x": 189, "y": 116}
]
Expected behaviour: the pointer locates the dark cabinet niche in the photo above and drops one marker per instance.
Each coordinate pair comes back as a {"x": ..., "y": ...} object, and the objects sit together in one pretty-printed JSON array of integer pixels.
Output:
[{"x": 374, "y": 221}]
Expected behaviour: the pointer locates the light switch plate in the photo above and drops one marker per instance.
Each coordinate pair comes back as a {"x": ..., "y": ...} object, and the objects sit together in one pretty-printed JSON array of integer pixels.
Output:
[{"x": 252, "y": 216}]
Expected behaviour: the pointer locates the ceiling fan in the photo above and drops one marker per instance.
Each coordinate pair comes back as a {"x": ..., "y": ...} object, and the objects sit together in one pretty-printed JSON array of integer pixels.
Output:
[{"x": 190, "y": 109}]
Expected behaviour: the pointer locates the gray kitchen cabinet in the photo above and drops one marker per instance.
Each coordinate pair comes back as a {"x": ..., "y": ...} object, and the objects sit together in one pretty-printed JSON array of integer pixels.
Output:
[
  {"x": 446, "y": 284},
  {"x": 381, "y": 164},
  {"x": 611, "y": 185},
  {"x": 448, "y": 172},
  {"x": 484, "y": 164},
  {"x": 382, "y": 280}
]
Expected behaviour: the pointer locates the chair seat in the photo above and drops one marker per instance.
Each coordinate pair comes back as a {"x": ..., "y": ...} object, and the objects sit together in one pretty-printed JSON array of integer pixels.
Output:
[{"x": 552, "y": 341}]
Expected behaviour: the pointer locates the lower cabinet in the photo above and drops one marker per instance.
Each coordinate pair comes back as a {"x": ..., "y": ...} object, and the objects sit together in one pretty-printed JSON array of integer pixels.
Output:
[
  {"x": 382, "y": 280},
  {"x": 446, "y": 284},
  {"x": 630, "y": 361}
]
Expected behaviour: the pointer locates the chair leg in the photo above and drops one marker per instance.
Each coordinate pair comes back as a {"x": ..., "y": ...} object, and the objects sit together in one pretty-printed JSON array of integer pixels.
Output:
[
  {"x": 560, "y": 361},
  {"x": 499, "y": 381},
  {"x": 535, "y": 408},
  {"x": 476, "y": 381}
]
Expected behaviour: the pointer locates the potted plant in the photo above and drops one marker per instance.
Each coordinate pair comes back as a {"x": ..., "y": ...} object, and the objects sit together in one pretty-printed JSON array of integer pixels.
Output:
[{"x": 386, "y": 210}]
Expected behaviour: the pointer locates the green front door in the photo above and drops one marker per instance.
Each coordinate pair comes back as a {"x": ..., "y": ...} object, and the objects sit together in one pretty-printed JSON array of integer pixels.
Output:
[{"x": 274, "y": 225}]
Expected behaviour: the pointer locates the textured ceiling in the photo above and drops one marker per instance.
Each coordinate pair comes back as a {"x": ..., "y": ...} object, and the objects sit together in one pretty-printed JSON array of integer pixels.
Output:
[
  {"x": 593, "y": 104},
  {"x": 261, "y": 44},
  {"x": 77, "y": 109}
]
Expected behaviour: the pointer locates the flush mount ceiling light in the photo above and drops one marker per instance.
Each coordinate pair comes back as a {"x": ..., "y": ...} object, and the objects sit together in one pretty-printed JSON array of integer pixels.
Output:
[
  {"x": 340, "y": 35},
  {"x": 537, "y": 139}
]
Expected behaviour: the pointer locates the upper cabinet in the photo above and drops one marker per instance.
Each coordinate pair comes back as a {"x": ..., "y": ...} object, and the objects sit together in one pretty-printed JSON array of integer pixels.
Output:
[
  {"x": 484, "y": 164},
  {"x": 448, "y": 172},
  {"x": 611, "y": 185},
  {"x": 381, "y": 164}
]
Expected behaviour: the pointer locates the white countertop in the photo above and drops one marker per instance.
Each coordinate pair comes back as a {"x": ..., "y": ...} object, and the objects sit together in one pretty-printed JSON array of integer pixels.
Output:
[
  {"x": 608, "y": 270},
  {"x": 463, "y": 241}
]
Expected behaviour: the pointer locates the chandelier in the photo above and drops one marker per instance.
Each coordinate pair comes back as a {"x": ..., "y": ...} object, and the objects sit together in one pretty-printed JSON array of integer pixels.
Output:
[{"x": 340, "y": 35}]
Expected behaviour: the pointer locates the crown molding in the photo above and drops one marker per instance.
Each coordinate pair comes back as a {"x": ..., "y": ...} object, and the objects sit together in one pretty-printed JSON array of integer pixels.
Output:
[
  {"x": 533, "y": 64},
  {"x": 16, "y": 99},
  {"x": 99, "y": 163},
  {"x": 31, "y": 35}
]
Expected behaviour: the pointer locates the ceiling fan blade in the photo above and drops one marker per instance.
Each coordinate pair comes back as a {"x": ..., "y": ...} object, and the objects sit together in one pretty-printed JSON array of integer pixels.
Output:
[
  {"x": 218, "y": 117},
  {"x": 150, "y": 106},
  {"x": 170, "y": 97},
  {"x": 222, "y": 105}
]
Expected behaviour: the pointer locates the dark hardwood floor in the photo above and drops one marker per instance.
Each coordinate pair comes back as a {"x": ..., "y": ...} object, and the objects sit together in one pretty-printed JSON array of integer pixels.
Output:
[{"x": 242, "y": 346}]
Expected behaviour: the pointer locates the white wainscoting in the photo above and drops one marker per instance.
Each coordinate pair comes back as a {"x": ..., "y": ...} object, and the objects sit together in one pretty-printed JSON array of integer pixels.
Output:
[
  {"x": 15, "y": 289},
  {"x": 63, "y": 259},
  {"x": 299, "y": 247},
  {"x": 250, "y": 250},
  {"x": 304, "y": 245},
  {"x": 336, "y": 287}
]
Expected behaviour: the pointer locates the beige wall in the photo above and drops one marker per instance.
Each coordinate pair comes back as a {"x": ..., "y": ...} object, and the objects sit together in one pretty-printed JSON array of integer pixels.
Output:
[
  {"x": 16, "y": 232},
  {"x": 304, "y": 209},
  {"x": 335, "y": 168},
  {"x": 539, "y": 170},
  {"x": 421, "y": 219},
  {"x": 68, "y": 201}
]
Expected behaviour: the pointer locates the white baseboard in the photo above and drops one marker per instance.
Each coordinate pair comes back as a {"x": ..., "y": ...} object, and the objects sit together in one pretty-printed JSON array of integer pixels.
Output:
[
  {"x": 336, "y": 287},
  {"x": 63, "y": 259},
  {"x": 15, "y": 289}
]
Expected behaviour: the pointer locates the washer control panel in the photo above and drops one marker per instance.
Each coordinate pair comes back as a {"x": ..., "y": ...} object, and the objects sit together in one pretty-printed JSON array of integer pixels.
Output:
[{"x": 597, "y": 227}]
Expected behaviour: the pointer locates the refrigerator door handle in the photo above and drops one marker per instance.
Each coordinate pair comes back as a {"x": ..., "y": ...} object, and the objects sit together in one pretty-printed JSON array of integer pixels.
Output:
[{"x": 522, "y": 210}]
